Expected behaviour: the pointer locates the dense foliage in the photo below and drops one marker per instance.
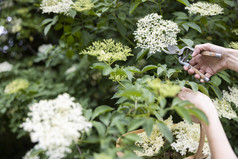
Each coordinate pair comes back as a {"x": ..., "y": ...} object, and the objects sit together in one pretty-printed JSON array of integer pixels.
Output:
[{"x": 128, "y": 89}]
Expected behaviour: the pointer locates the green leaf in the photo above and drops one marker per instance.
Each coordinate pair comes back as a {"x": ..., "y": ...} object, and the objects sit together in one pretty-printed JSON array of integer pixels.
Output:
[
  {"x": 101, "y": 110},
  {"x": 120, "y": 127},
  {"x": 188, "y": 42},
  {"x": 163, "y": 102},
  {"x": 217, "y": 91},
  {"x": 129, "y": 74},
  {"x": 100, "y": 66},
  {"x": 47, "y": 28},
  {"x": 133, "y": 6},
  {"x": 101, "y": 129},
  {"x": 141, "y": 54},
  {"x": 184, "y": 113},
  {"x": 121, "y": 28},
  {"x": 72, "y": 13},
  {"x": 107, "y": 70},
  {"x": 180, "y": 15},
  {"x": 105, "y": 119},
  {"x": 194, "y": 86},
  {"x": 136, "y": 123},
  {"x": 131, "y": 92},
  {"x": 225, "y": 76},
  {"x": 185, "y": 26},
  {"x": 194, "y": 26},
  {"x": 185, "y": 2},
  {"x": 199, "y": 114},
  {"x": 148, "y": 126},
  {"x": 216, "y": 80},
  {"x": 46, "y": 21},
  {"x": 203, "y": 89},
  {"x": 165, "y": 131},
  {"x": 149, "y": 67},
  {"x": 161, "y": 69},
  {"x": 170, "y": 72}
]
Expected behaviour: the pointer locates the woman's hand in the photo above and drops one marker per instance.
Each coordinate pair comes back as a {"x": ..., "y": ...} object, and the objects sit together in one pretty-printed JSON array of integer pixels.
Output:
[
  {"x": 206, "y": 64},
  {"x": 200, "y": 100}
]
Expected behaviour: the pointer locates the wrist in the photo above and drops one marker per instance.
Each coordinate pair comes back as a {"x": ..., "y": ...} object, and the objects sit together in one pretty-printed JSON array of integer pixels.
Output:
[{"x": 231, "y": 59}]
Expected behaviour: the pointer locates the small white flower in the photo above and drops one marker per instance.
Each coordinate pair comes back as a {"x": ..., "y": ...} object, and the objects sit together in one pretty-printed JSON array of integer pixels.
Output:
[
  {"x": 5, "y": 67},
  {"x": 72, "y": 69},
  {"x": 45, "y": 48},
  {"x": 55, "y": 125},
  {"x": 231, "y": 96},
  {"x": 56, "y": 6},
  {"x": 155, "y": 33},
  {"x": 204, "y": 9},
  {"x": 224, "y": 109},
  {"x": 187, "y": 138}
]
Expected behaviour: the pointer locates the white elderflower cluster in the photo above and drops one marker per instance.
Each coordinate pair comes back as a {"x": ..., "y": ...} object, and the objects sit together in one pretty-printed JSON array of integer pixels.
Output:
[
  {"x": 234, "y": 45},
  {"x": 231, "y": 96},
  {"x": 150, "y": 145},
  {"x": 154, "y": 33},
  {"x": 108, "y": 51},
  {"x": 5, "y": 67},
  {"x": 55, "y": 125},
  {"x": 204, "y": 9},
  {"x": 64, "y": 6},
  {"x": 56, "y": 6},
  {"x": 224, "y": 109},
  {"x": 187, "y": 138}
]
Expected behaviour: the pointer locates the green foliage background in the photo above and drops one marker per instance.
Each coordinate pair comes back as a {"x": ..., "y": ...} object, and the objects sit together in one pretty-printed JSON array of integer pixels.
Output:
[{"x": 110, "y": 107}]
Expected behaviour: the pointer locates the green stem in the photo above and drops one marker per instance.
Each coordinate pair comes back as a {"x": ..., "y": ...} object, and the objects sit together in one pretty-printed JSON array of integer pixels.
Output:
[{"x": 121, "y": 84}]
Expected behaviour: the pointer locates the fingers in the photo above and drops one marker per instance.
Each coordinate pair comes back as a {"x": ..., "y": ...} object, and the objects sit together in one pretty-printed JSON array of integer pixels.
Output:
[{"x": 199, "y": 48}]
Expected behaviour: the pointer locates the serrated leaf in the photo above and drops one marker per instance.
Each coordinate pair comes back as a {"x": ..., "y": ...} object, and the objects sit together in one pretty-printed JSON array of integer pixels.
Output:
[
  {"x": 101, "y": 129},
  {"x": 133, "y": 6},
  {"x": 199, "y": 114},
  {"x": 181, "y": 15},
  {"x": 184, "y": 113},
  {"x": 216, "y": 80},
  {"x": 185, "y": 26},
  {"x": 131, "y": 92},
  {"x": 203, "y": 89},
  {"x": 107, "y": 70},
  {"x": 188, "y": 42},
  {"x": 185, "y": 2},
  {"x": 194, "y": 86},
  {"x": 160, "y": 70},
  {"x": 141, "y": 54},
  {"x": 135, "y": 124},
  {"x": 46, "y": 21},
  {"x": 148, "y": 126},
  {"x": 170, "y": 72},
  {"x": 165, "y": 131},
  {"x": 100, "y": 110},
  {"x": 99, "y": 66},
  {"x": 217, "y": 91},
  {"x": 224, "y": 76},
  {"x": 149, "y": 67},
  {"x": 47, "y": 28},
  {"x": 120, "y": 127},
  {"x": 194, "y": 26},
  {"x": 129, "y": 74}
]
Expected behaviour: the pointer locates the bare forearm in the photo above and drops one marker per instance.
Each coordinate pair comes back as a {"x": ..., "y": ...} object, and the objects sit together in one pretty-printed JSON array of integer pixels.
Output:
[{"x": 219, "y": 145}]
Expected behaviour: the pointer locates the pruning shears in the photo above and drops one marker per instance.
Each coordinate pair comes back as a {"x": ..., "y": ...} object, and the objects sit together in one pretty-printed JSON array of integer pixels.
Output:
[{"x": 186, "y": 52}]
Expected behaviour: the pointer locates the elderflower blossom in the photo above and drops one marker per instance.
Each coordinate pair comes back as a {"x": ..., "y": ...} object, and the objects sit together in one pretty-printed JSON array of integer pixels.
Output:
[
  {"x": 150, "y": 145},
  {"x": 232, "y": 96},
  {"x": 235, "y": 31},
  {"x": 187, "y": 138},
  {"x": 154, "y": 33},
  {"x": 83, "y": 5},
  {"x": 45, "y": 48},
  {"x": 234, "y": 45},
  {"x": 56, "y": 6},
  {"x": 5, "y": 67},
  {"x": 204, "y": 9},
  {"x": 29, "y": 156},
  {"x": 115, "y": 77},
  {"x": 108, "y": 51},
  {"x": 56, "y": 124},
  {"x": 16, "y": 85},
  {"x": 224, "y": 109}
]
